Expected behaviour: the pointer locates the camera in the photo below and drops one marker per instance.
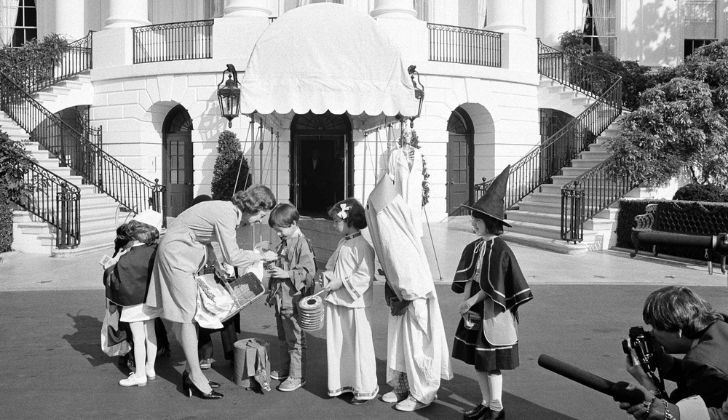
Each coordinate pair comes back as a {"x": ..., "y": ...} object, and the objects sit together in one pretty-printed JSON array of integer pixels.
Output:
[{"x": 643, "y": 345}]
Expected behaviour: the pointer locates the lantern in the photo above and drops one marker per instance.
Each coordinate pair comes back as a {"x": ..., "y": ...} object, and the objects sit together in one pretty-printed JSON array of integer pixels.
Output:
[{"x": 228, "y": 94}]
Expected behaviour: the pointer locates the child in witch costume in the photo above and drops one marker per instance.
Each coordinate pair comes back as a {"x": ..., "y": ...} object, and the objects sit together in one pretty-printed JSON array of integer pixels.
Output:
[{"x": 487, "y": 336}]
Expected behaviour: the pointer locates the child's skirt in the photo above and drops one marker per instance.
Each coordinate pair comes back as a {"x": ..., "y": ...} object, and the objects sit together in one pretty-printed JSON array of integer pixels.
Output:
[
  {"x": 138, "y": 313},
  {"x": 472, "y": 348}
]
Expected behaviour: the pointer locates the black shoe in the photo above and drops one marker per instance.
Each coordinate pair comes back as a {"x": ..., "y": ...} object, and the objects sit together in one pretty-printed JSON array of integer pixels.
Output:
[
  {"x": 476, "y": 413},
  {"x": 189, "y": 388},
  {"x": 357, "y": 401},
  {"x": 495, "y": 415}
]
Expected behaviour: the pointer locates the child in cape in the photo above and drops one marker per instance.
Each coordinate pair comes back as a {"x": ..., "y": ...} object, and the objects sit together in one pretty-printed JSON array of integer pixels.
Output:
[
  {"x": 487, "y": 335},
  {"x": 348, "y": 279},
  {"x": 291, "y": 278}
]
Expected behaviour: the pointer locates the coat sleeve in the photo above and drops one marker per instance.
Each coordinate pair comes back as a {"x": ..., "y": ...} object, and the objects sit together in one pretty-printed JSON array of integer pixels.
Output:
[
  {"x": 303, "y": 269},
  {"x": 358, "y": 281},
  {"x": 225, "y": 230}
]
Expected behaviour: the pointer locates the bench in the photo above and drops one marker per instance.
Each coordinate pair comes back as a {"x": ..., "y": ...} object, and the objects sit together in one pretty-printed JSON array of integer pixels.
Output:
[{"x": 684, "y": 223}]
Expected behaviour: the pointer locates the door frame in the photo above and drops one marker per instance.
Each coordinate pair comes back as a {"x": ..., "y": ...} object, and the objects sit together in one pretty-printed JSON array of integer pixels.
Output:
[
  {"x": 320, "y": 130},
  {"x": 179, "y": 120},
  {"x": 470, "y": 144}
]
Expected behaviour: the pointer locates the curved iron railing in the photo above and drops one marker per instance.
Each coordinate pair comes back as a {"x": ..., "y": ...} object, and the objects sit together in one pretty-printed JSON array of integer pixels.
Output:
[
  {"x": 587, "y": 195},
  {"x": 79, "y": 150},
  {"x": 173, "y": 41},
  {"x": 77, "y": 58},
  {"x": 456, "y": 44},
  {"x": 575, "y": 73},
  {"x": 546, "y": 160},
  {"x": 54, "y": 200}
]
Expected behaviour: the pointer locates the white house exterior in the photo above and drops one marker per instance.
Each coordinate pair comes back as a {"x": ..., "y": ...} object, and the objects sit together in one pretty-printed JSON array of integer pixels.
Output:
[{"x": 162, "y": 119}]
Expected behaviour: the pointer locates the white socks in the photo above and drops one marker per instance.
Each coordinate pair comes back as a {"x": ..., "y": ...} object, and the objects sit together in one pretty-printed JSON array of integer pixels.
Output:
[
  {"x": 484, "y": 388},
  {"x": 495, "y": 383}
]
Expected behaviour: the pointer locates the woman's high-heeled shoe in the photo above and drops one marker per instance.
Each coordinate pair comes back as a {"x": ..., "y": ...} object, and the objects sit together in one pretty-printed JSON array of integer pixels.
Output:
[{"x": 190, "y": 388}]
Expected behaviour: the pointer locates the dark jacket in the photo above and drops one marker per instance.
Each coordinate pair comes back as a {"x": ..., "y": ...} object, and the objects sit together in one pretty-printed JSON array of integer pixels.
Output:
[
  {"x": 704, "y": 369},
  {"x": 128, "y": 279}
]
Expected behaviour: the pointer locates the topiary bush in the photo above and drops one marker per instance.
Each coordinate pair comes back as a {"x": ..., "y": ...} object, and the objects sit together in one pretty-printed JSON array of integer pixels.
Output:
[
  {"x": 700, "y": 192},
  {"x": 229, "y": 157}
]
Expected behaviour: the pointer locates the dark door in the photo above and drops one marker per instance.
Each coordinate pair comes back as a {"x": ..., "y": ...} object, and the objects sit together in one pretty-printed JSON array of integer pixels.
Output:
[
  {"x": 321, "y": 162},
  {"x": 178, "y": 156},
  {"x": 459, "y": 161}
]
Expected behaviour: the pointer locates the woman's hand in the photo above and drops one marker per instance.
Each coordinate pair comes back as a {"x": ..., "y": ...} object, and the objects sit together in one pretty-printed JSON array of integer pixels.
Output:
[
  {"x": 331, "y": 283},
  {"x": 262, "y": 246},
  {"x": 278, "y": 273},
  {"x": 268, "y": 256}
]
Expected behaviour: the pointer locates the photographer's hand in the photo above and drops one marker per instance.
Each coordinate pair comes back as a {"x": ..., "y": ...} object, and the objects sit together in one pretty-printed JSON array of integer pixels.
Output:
[
  {"x": 639, "y": 410},
  {"x": 635, "y": 369}
]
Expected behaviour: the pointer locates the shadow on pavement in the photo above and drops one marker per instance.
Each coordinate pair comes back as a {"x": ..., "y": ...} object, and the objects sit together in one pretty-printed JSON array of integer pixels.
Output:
[{"x": 86, "y": 338}]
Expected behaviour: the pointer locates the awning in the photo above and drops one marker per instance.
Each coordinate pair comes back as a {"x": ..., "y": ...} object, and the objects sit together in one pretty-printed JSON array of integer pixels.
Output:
[{"x": 326, "y": 57}]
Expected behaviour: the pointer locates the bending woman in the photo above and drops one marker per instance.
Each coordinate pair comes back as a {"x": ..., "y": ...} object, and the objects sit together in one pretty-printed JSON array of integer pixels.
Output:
[{"x": 180, "y": 255}]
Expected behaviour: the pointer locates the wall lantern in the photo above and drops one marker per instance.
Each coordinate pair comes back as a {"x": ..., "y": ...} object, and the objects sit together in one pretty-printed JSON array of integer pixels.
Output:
[
  {"x": 228, "y": 94},
  {"x": 419, "y": 88}
]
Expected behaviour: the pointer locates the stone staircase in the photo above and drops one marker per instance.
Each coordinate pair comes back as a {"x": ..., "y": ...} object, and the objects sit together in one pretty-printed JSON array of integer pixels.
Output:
[
  {"x": 537, "y": 219},
  {"x": 77, "y": 90},
  {"x": 99, "y": 213},
  {"x": 554, "y": 95}
]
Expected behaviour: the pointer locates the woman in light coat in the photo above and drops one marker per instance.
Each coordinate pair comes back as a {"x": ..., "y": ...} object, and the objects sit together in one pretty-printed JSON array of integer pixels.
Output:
[{"x": 180, "y": 255}]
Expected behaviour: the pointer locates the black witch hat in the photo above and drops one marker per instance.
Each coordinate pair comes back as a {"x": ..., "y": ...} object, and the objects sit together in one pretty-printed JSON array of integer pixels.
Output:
[{"x": 491, "y": 203}]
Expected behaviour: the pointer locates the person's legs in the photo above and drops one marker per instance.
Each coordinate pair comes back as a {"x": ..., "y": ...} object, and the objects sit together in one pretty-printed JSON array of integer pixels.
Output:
[
  {"x": 162, "y": 340},
  {"x": 495, "y": 383},
  {"x": 151, "y": 341},
  {"x": 284, "y": 358},
  {"x": 295, "y": 343},
  {"x": 139, "y": 377},
  {"x": 187, "y": 336},
  {"x": 228, "y": 336},
  {"x": 204, "y": 344}
]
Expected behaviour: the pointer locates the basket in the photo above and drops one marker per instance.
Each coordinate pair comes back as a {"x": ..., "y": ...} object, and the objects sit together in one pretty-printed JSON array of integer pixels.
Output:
[
  {"x": 311, "y": 313},
  {"x": 244, "y": 290}
]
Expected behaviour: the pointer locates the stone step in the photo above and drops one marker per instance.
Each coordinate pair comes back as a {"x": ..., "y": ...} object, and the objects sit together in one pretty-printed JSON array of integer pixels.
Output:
[
  {"x": 585, "y": 163},
  {"x": 555, "y": 245},
  {"x": 573, "y": 172},
  {"x": 544, "y": 231},
  {"x": 535, "y": 217}
]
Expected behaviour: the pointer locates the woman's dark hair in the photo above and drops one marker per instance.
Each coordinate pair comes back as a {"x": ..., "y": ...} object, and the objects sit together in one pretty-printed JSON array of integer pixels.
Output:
[
  {"x": 492, "y": 225},
  {"x": 674, "y": 308},
  {"x": 355, "y": 215},
  {"x": 283, "y": 215},
  {"x": 123, "y": 237},
  {"x": 143, "y": 232},
  {"x": 256, "y": 198},
  {"x": 200, "y": 198}
]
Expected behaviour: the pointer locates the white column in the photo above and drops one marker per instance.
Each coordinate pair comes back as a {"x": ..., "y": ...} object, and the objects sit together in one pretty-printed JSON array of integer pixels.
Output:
[
  {"x": 126, "y": 13},
  {"x": 68, "y": 23},
  {"x": 505, "y": 16},
  {"x": 554, "y": 18},
  {"x": 398, "y": 9},
  {"x": 245, "y": 8},
  {"x": 721, "y": 19}
]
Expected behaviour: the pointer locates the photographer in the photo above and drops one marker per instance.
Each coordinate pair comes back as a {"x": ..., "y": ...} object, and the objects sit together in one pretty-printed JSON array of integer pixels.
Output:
[{"x": 683, "y": 322}]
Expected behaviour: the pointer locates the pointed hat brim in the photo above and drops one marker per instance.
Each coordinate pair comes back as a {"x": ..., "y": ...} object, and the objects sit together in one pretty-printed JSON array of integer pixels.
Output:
[
  {"x": 491, "y": 203},
  {"x": 487, "y": 214}
]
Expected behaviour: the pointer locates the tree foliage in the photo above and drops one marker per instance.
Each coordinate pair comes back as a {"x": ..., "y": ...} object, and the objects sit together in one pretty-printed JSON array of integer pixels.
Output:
[
  {"x": 229, "y": 159},
  {"x": 35, "y": 59},
  {"x": 676, "y": 128}
]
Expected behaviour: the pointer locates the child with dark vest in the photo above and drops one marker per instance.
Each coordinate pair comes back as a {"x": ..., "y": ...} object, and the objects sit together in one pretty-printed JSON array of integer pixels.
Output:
[{"x": 291, "y": 278}]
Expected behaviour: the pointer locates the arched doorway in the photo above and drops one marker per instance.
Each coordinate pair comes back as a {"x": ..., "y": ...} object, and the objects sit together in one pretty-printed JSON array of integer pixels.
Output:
[
  {"x": 177, "y": 161},
  {"x": 321, "y": 162},
  {"x": 459, "y": 160}
]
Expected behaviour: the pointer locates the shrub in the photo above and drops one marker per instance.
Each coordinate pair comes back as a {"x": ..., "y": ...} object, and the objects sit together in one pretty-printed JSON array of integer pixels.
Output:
[
  {"x": 229, "y": 159},
  {"x": 699, "y": 192},
  {"x": 13, "y": 163}
]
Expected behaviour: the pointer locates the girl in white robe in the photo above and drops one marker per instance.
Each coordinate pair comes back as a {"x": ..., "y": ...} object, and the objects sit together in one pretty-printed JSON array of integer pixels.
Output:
[{"x": 348, "y": 279}]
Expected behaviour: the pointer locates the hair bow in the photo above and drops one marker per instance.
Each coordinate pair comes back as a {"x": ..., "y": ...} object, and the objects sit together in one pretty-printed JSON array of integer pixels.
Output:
[{"x": 342, "y": 214}]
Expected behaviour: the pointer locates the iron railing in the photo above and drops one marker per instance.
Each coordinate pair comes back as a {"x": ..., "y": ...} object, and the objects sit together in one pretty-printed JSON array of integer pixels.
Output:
[
  {"x": 76, "y": 58},
  {"x": 54, "y": 200},
  {"x": 573, "y": 72},
  {"x": 80, "y": 151},
  {"x": 455, "y": 44},
  {"x": 587, "y": 195},
  {"x": 546, "y": 160},
  {"x": 173, "y": 41}
]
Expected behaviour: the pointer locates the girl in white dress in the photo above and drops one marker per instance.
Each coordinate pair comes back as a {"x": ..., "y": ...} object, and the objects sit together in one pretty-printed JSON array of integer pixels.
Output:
[{"x": 348, "y": 279}]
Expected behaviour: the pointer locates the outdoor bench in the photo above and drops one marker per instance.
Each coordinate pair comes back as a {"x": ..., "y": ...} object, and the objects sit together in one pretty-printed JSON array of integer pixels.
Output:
[{"x": 684, "y": 223}]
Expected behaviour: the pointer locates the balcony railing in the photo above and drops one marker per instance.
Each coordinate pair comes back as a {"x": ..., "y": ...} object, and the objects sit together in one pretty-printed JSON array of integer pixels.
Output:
[
  {"x": 54, "y": 200},
  {"x": 173, "y": 41},
  {"x": 455, "y": 44},
  {"x": 587, "y": 195}
]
